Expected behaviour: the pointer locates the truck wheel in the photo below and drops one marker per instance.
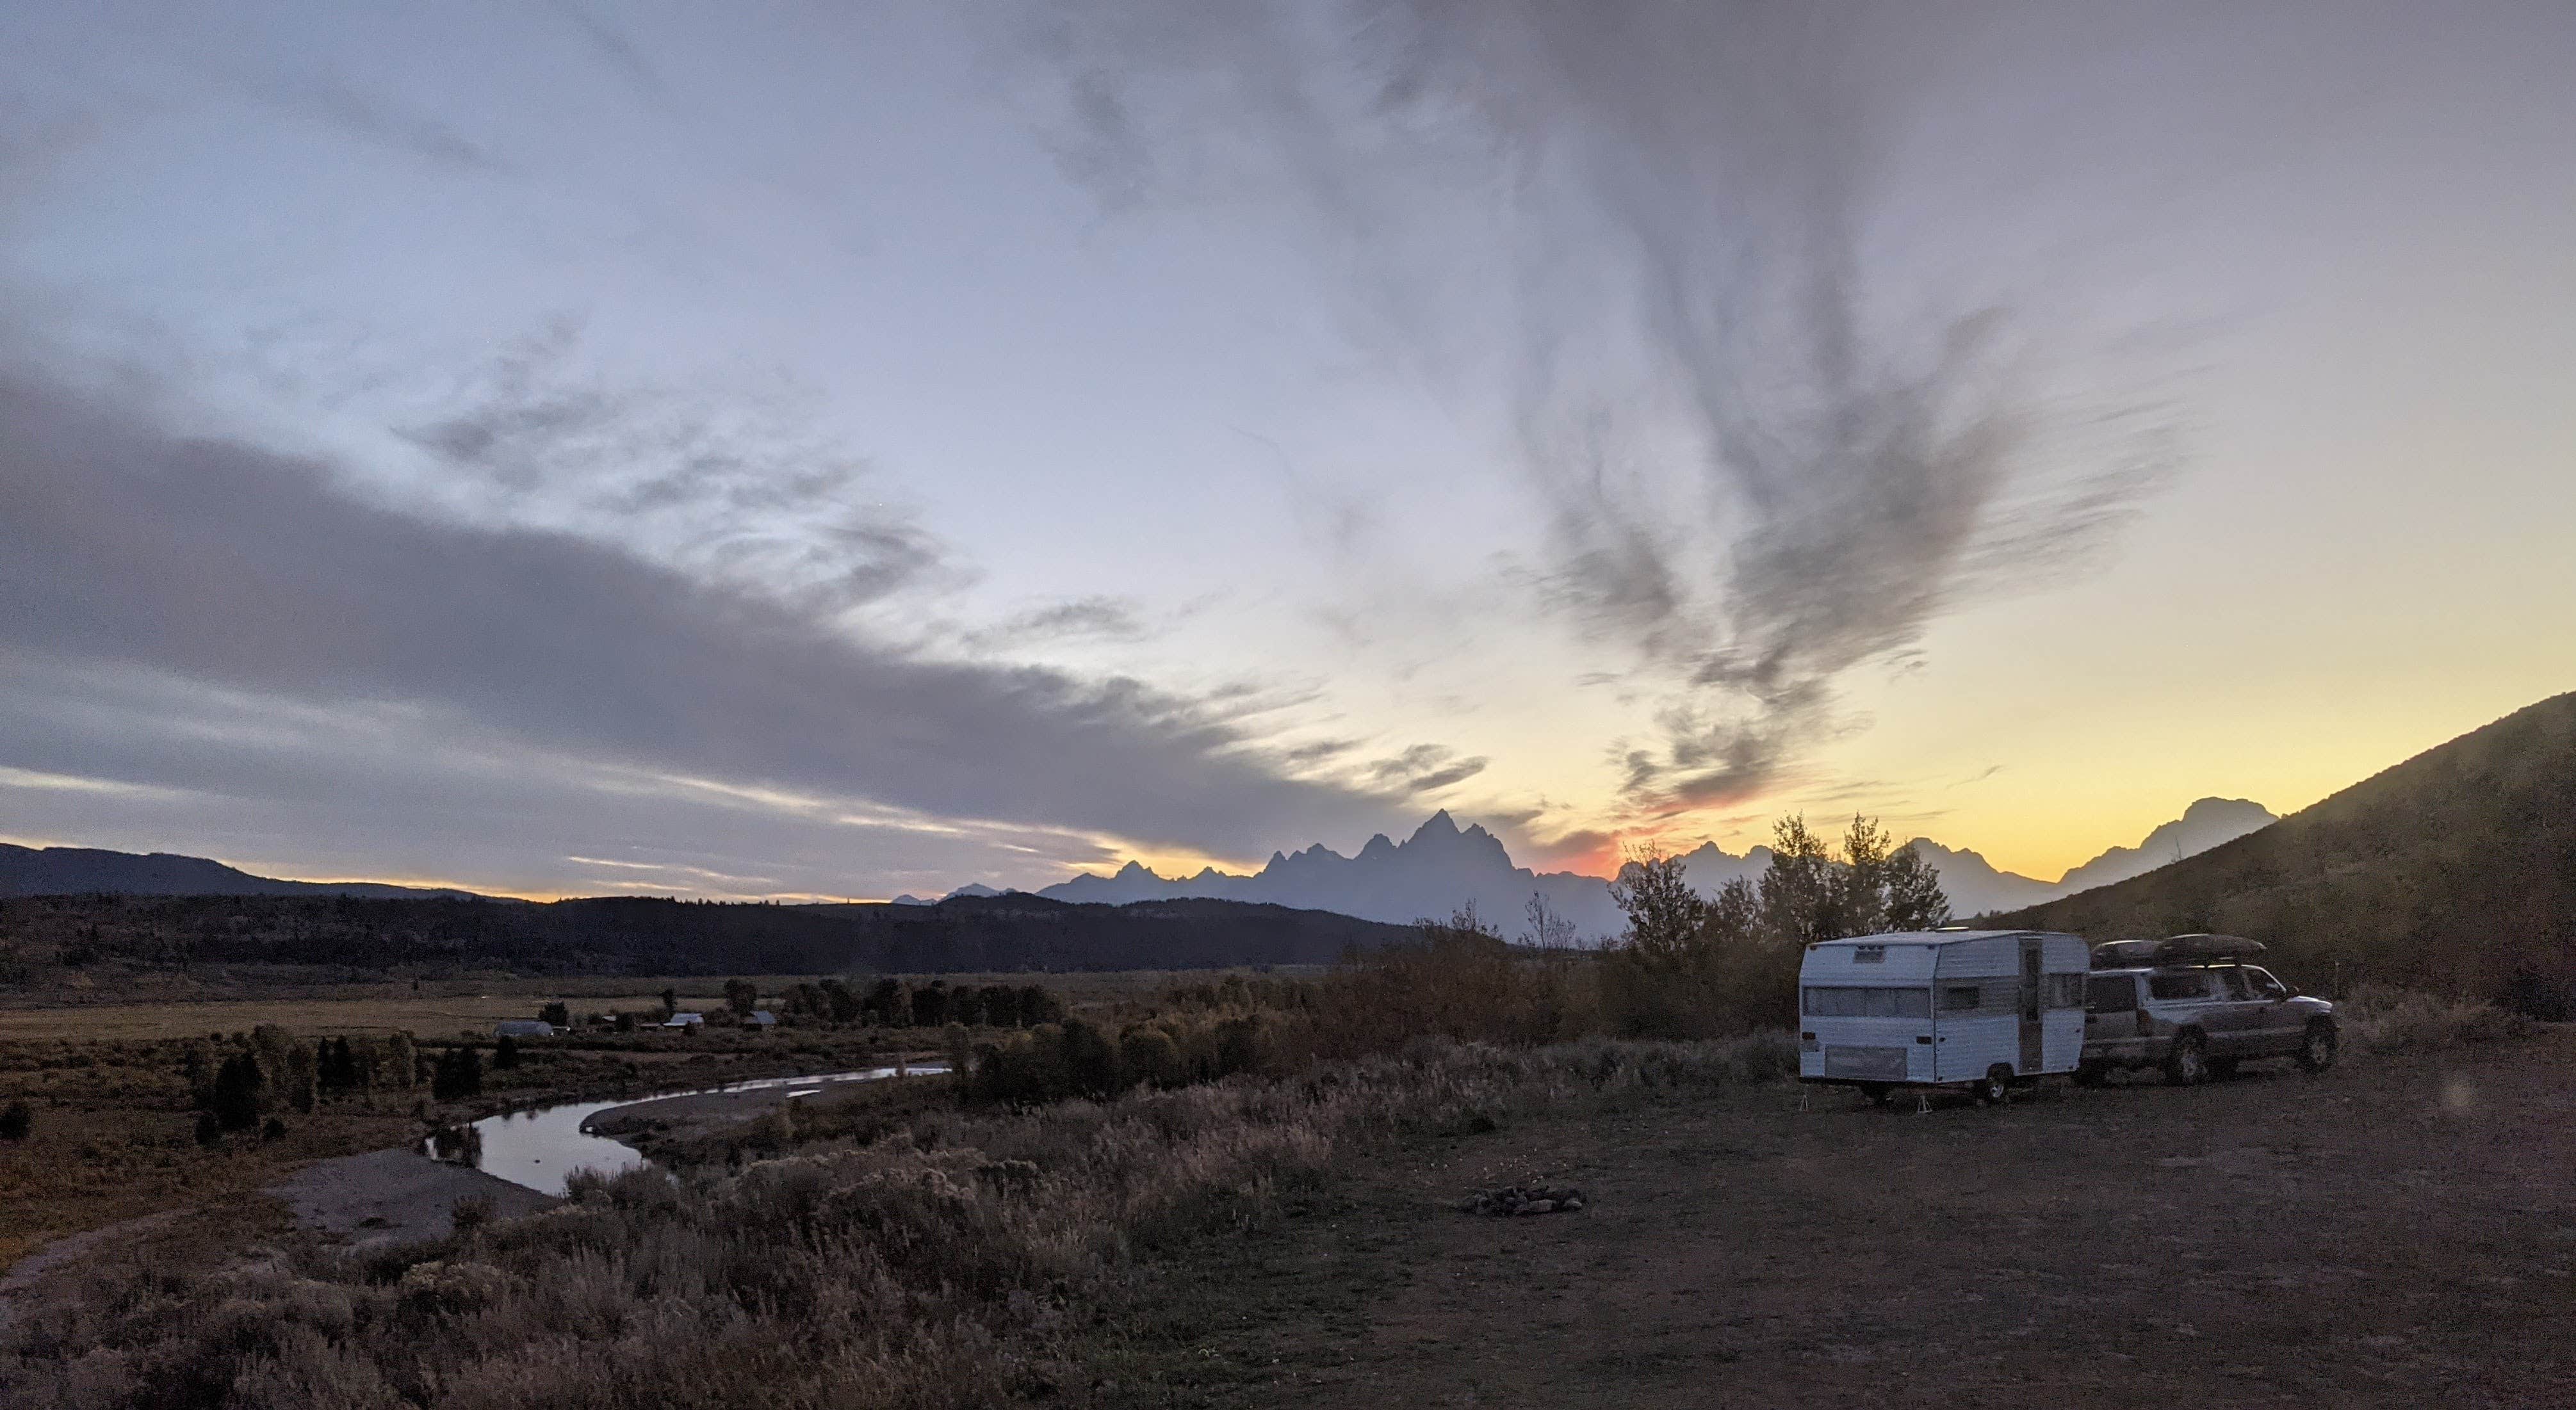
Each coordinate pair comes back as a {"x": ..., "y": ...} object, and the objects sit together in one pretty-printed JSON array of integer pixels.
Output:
[
  {"x": 2092, "y": 1074},
  {"x": 2222, "y": 1069},
  {"x": 2317, "y": 1050},
  {"x": 2188, "y": 1064},
  {"x": 1991, "y": 1088}
]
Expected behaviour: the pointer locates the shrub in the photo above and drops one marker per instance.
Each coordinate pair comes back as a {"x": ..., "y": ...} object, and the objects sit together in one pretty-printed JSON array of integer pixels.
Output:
[
  {"x": 16, "y": 1120},
  {"x": 2407, "y": 1020}
]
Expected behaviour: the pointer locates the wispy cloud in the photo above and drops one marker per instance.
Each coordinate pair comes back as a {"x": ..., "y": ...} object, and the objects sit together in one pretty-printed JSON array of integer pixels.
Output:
[
  {"x": 1754, "y": 476},
  {"x": 1092, "y": 618},
  {"x": 378, "y": 121}
]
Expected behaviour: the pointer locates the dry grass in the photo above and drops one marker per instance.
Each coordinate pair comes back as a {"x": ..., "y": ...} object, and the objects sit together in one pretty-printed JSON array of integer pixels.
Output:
[
  {"x": 2409, "y": 1020},
  {"x": 952, "y": 1262},
  {"x": 429, "y": 1016}
]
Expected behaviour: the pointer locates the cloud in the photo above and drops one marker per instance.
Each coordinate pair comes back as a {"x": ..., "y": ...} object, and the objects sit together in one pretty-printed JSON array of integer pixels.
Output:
[
  {"x": 742, "y": 490},
  {"x": 1425, "y": 768},
  {"x": 1759, "y": 473},
  {"x": 217, "y": 568},
  {"x": 616, "y": 50},
  {"x": 336, "y": 105},
  {"x": 1099, "y": 618}
]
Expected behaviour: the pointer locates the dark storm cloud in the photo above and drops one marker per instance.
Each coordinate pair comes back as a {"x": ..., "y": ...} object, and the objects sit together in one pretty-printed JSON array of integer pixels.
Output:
[
  {"x": 1754, "y": 475},
  {"x": 234, "y": 568}
]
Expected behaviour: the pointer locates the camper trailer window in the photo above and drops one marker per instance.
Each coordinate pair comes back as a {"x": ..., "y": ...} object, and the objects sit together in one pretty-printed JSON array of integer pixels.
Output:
[
  {"x": 2181, "y": 984},
  {"x": 1869, "y": 954},
  {"x": 2115, "y": 993},
  {"x": 1959, "y": 998},
  {"x": 2066, "y": 991},
  {"x": 1853, "y": 1001}
]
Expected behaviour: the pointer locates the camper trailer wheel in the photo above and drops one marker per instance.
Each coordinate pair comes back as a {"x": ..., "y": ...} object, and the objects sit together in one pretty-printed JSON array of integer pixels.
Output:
[
  {"x": 2317, "y": 1052},
  {"x": 2188, "y": 1064},
  {"x": 1875, "y": 1093},
  {"x": 1994, "y": 1086}
]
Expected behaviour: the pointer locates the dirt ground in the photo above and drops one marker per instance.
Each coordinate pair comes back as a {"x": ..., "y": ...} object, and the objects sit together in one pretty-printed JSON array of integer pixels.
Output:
[
  {"x": 396, "y": 1196},
  {"x": 2401, "y": 1231}
]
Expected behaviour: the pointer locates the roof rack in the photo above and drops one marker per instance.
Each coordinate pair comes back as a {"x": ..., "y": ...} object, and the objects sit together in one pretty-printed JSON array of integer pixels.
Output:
[{"x": 2176, "y": 949}]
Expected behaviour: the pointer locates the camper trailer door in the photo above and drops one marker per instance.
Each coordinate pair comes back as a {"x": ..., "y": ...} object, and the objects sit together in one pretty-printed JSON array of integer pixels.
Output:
[{"x": 2032, "y": 1031}]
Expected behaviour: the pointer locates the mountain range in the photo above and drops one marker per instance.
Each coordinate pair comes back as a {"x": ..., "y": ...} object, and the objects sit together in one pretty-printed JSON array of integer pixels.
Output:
[
  {"x": 1443, "y": 866},
  {"x": 76, "y": 871}
]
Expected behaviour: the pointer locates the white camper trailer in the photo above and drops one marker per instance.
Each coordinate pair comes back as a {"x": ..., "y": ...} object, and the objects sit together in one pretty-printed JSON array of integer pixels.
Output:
[{"x": 1973, "y": 1009}]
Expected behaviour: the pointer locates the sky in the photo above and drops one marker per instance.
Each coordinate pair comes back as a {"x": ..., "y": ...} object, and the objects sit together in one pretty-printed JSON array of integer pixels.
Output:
[{"x": 789, "y": 451}]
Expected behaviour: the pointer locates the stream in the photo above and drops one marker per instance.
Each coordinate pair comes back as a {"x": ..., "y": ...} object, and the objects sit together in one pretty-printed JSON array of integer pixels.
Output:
[{"x": 542, "y": 1146}]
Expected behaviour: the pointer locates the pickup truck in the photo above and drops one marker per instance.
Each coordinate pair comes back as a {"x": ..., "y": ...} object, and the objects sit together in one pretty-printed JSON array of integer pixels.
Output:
[{"x": 2192, "y": 1006}]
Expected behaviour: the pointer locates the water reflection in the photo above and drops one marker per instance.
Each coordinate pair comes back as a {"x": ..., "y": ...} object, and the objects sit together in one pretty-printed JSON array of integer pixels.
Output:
[{"x": 542, "y": 1146}]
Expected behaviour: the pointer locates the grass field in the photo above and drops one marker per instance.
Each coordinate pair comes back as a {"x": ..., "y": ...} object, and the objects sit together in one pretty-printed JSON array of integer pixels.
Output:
[
  {"x": 2401, "y": 1231},
  {"x": 446, "y": 1008}
]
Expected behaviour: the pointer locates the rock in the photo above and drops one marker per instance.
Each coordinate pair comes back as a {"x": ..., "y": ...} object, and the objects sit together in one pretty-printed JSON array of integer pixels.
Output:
[{"x": 1539, "y": 1206}]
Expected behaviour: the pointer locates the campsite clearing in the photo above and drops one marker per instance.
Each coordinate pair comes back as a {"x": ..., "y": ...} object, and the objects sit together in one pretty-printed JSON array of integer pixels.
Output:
[{"x": 2398, "y": 1231}]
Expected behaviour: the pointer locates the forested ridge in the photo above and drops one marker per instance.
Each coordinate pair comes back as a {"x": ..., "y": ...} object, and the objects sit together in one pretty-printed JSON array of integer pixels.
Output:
[{"x": 634, "y": 935}]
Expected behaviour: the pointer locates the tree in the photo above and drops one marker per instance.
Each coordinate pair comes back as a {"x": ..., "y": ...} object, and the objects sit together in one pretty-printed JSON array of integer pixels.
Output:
[
  {"x": 1001, "y": 1006},
  {"x": 1862, "y": 904},
  {"x": 505, "y": 1053},
  {"x": 1801, "y": 897},
  {"x": 1090, "y": 1060},
  {"x": 16, "y": 1120},
  {"x": 557, "y": 1013},
  {"x": 1549, "y": 930},
  {"x": 297, "y": 1084},
  {"x": 336, "y": 1068},
  {"x": 889, "y": 1004},
  {"x": 1915, "y": 900},
  {"x": 1039, "y": 1004},
  {"x": 1734, "y": 916},
  {"x": 458, "y": 1075},
  {"x": 402, "y": 1062},
  {"x": 1664, "y": 913},
  {"x": 234, "y": 1099},
  {"x": 930, "y": 1005},
  {"x": 670, "y": 1002},
  {"x": 741, "y": 995}
]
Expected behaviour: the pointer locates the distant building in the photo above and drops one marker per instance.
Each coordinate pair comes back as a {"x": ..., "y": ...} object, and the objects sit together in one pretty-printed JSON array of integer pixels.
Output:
[
  {"x": 523, "y": 1028},
  {"x": 760, "y": 1018},
  {"x": 685, "y": 1020}
]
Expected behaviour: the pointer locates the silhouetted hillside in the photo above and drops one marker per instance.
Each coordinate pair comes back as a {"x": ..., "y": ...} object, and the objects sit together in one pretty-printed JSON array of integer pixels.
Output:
[
  {"x": 67, "y": 871},
  {"x": 631, "y": 935},
  {"x": 2455, "y": 869}
]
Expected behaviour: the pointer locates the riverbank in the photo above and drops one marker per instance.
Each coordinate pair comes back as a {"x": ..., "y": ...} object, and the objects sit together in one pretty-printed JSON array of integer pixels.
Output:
[{"x": 397, "y": 1196}]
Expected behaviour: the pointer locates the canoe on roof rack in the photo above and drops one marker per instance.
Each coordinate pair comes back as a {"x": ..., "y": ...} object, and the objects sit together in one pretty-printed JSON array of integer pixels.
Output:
[{"x": 2176, "y": 949}]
